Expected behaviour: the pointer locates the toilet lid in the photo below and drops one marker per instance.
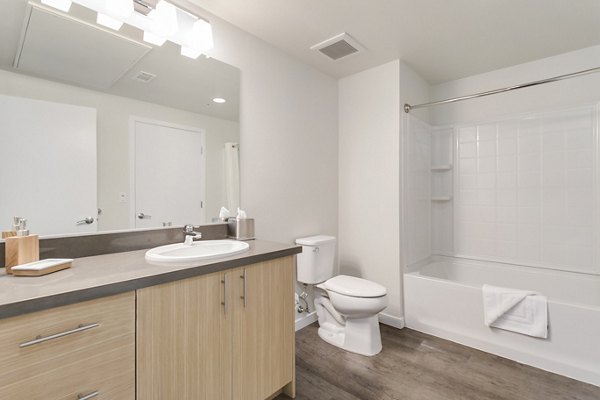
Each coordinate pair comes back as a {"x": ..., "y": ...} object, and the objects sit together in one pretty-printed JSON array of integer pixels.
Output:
[{"x": 354, "y": 287}]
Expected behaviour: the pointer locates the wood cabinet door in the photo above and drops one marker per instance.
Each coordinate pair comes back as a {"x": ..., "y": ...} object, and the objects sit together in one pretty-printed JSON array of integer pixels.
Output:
[
  {"x": 263, "y": 341},
  {"x": 184, "y": 340}
]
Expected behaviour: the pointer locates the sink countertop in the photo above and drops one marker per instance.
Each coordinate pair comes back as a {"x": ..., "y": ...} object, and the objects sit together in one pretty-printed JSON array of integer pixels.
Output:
[{"x": 105, "y": 275}]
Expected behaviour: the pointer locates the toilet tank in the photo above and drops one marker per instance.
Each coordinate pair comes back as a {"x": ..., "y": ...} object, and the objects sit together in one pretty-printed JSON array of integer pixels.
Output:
[{"x": 316, "y": 262}]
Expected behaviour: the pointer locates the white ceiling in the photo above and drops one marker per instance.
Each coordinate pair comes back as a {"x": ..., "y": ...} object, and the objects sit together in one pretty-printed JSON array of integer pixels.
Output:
[{"x": 441, "y": 39}]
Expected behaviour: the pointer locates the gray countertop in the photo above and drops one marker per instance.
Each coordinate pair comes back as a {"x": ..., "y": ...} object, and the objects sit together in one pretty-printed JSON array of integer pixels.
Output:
[{"x": 105, "y": 275}]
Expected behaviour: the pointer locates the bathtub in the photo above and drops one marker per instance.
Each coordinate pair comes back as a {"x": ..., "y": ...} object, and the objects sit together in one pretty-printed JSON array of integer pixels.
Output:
[{"x": 443, "y": 298}]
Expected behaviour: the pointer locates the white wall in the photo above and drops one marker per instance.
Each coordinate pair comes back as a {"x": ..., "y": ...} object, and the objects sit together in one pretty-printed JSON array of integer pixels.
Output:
[
  {"x": 369, "y": 165},
  {"x": 372, "y": 130},
  {"x": 288, "y": 130},
  {"x": 288, "y": 127},
  {"x": 553, "y": 95},
  {"x": 113, "y": 114},
  {"x": 413, "y": 90}
]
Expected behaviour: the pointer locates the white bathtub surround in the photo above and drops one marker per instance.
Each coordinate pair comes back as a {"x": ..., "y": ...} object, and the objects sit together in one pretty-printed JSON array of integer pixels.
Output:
[
  {"x": 520, "y": 189},
  {"x": 515, "y": 310},
  {"x": 443, "y": 298},
  {"x": 417, "y": 193},
  {"x": 525, "y": 190},
  {"x": 514, "y": 187}
]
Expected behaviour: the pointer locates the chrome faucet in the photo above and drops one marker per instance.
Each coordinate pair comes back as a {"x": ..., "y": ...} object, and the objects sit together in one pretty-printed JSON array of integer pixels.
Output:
[{"x": 191, "y": 235}]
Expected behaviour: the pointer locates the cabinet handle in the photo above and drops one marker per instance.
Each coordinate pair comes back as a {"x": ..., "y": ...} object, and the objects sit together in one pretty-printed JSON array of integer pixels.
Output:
[
  {"x": 224, "y": 302},
  {"x": 40, "y": 339},
  {"x": 244, "y": 296},
  {"x": 87, "y": 396}
]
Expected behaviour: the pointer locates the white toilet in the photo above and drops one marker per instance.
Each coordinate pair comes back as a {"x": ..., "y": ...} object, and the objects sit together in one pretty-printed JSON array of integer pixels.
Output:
[{"x": 347, "y": 307}]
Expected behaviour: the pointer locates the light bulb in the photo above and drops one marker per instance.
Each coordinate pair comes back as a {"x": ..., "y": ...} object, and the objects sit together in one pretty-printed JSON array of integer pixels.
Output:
[
  {"x": 164, "y": 17},
  {"x": 109, "y": 22},
  {"x": 202, "y": 38},
  {"x": 154, "y": 39},
  {"x": 189, "y": 52},
  {"x": 120, "y": 9},
  {"x": 62, "y": 5},
  {"x": 199, "y": 40}
]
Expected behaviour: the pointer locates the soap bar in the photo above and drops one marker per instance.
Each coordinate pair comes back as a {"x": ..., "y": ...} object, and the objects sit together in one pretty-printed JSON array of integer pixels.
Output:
[{"x": 42, "y": 267}]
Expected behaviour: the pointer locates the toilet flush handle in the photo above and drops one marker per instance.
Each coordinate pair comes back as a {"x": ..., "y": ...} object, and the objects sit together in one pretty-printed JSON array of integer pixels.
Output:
[{"x": 316, "y": 250}]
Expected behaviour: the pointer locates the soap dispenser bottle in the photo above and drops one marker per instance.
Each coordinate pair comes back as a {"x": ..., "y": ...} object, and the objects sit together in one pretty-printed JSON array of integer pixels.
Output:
[
  {"x": 22, "y": 248},
  {"x": 13, "y": 231}
]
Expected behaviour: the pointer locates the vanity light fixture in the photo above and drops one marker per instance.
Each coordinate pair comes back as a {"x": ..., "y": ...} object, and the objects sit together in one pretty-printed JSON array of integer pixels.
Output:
[
  {"x": 62, "y": 5},
  {"x": 162, "y": 22},
  {"x": 201, "y": 40},
  {"x": 219, "y": 100},
  {"x": 154, "y": 39},
  {"x": 109, "y": 22},
  {"x": 115, "y": 12}
]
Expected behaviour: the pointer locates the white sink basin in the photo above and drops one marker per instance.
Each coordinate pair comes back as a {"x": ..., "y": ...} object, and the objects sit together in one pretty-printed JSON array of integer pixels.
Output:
[{"x": 201, "y": 250}]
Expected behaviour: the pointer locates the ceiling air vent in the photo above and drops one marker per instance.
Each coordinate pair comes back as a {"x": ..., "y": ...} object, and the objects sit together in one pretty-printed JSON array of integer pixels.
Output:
[
  {"x": 339, "y": 46},
  {"x": 144, "y": 77}
]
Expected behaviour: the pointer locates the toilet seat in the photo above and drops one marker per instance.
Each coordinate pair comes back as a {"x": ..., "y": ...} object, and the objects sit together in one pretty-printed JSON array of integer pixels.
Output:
[{"x": 354, "y": 287}]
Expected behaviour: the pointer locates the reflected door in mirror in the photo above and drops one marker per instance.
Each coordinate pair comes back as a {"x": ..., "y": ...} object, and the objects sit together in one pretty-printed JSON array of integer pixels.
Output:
[
  {"x": 48, "y": 174},
  {"x": 168, "y": 174}
]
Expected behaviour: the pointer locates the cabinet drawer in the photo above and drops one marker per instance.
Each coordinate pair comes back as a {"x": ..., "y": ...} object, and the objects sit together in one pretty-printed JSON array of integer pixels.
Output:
[
  {"x": 109, "y": 374},
  {"x": 76, "y": 340}
]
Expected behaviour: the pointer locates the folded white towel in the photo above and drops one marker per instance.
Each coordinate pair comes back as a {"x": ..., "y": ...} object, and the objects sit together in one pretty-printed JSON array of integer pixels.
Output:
[{"x": 515, "y": 310}]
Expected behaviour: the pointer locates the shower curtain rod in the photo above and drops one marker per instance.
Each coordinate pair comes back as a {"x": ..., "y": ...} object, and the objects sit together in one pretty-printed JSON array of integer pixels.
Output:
[{"x": 408, "y": 107}]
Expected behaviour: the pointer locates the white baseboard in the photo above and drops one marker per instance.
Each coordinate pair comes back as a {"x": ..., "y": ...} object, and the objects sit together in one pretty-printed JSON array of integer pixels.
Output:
[
  {"x": 306, "y": 320},
  {"x": 396, "y": 322}
]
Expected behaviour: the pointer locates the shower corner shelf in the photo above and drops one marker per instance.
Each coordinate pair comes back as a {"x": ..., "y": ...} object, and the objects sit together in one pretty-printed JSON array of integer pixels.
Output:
[
  {"x": 441, "y": 168},
  {"x": 441, "y": 198}
]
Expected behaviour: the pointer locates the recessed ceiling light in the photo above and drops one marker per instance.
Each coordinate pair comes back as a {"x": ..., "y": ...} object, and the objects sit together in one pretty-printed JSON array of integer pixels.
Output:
[{"x": 219, "y": 100}]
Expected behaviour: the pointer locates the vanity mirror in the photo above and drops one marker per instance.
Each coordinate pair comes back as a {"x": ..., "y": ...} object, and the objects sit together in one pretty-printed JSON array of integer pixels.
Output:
[{"x": 101, "y": 131}]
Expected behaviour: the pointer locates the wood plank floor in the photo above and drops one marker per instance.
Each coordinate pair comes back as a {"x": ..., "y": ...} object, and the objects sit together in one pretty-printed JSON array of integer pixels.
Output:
[{"x": 416, "y": 366}]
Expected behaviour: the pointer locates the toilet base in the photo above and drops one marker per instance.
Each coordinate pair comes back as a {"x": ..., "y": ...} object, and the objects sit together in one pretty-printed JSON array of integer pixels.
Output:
[
  {"x": 362, "y": 336},
  {"x": 358, "y": 335},
  {"x": 332, "y": 335}
]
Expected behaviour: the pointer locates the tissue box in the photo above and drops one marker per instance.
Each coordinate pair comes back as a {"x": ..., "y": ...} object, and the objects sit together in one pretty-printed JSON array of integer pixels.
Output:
[{"x": 240, "y": 229}]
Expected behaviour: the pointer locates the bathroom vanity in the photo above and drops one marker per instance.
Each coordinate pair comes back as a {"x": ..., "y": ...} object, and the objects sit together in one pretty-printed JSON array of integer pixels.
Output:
[{"x": 117, "y": 327}]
